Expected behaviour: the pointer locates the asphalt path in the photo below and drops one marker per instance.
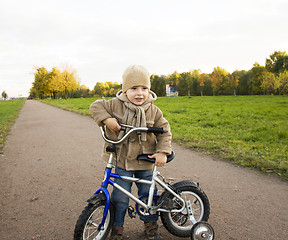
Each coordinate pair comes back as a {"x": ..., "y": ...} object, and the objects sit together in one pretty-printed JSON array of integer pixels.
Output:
[{"x": 51, "y": 165}]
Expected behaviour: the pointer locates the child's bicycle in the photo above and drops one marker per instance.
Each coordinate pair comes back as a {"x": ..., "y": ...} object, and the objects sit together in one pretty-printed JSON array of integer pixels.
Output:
[{"x": 183, "y": 207}]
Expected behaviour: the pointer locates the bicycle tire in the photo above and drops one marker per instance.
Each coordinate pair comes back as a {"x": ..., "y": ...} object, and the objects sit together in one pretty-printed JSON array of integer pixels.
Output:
[
  {"x": 87, "y": 225},
  {"x": 178, "y": 224}
]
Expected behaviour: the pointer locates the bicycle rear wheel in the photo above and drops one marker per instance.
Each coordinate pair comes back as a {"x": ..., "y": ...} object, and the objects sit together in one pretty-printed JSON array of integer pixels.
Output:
[
  {"x": 87, "y": 225},
  {"x": 178, "y": 223}
]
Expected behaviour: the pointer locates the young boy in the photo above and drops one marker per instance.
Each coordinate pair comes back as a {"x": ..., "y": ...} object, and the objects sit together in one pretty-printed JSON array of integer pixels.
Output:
[{"x": 133, "y": 105}]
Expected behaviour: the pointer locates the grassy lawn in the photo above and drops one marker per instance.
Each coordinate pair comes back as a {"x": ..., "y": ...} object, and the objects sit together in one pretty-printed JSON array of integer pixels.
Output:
[
  {"x": 9, "y": 111},
  {"x": 248, "y": 130},
  {"x": 78, "y": 105}
]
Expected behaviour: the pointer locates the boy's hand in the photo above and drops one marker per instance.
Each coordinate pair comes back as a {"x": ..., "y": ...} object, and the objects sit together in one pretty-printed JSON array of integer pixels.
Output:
[
  {"x": 112, "y": 124},
  {"x": 161, "y": 159}
]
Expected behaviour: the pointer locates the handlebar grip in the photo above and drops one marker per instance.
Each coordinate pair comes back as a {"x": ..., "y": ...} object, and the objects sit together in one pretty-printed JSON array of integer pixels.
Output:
[
  {"x": 152, "y": 160},
  {"x": 155, "y": 130}
]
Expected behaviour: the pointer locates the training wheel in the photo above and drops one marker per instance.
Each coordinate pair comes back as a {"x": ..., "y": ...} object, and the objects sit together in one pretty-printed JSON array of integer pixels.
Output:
[{"x": 202, "y": 231}]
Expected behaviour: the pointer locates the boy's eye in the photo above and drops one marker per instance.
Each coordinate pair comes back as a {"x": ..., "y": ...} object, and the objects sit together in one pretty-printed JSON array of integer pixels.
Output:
[{"x": 144, "y": 88}]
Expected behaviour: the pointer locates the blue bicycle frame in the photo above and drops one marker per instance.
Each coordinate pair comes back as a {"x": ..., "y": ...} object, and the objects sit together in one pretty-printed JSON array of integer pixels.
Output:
[
  {"x": 107, "y": 180},
  {"x": 108, "y": 174}
]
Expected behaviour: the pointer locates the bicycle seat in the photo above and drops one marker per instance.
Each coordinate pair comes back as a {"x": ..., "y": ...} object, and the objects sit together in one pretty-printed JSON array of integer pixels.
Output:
[{"x": 152, "y": 160}]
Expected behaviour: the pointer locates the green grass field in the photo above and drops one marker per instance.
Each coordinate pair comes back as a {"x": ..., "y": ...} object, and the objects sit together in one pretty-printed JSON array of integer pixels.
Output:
[
  {"x": 248, "y": 130},
  {"x": 9, "y": 111},
  {"x": 78, "y": 105}
]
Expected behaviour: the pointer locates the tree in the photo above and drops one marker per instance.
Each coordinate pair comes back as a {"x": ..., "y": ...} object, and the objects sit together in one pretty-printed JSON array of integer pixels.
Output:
[
  {"x": 158, "y": 85},
  {"x": 41, "y": 82},
  {"x": 202, "y": 82},
  {"x": 184, "y": 84},
  {"x": 82, "y": 91},
  {"x": 32, "y": 93},
  {"x": 257, "y": 73},
  {"x": 98, "y": 89},
  {"x": 219, "y": 81},
  {"x": 55, "y": 85},
  {"x": 277, "y": 63},
  {"x": 112, "y": 89},
  {"x": 268, "y": 82},
  {"x": 4, "y": 95},
  {"x": 208, "y": 89},
  {"x": 244, "y": 82},
  {"x": 68, "y": 82},
  {"x": 283, "y": 82},
  {"x": 193, "y": 82},
  {"x": 106, "y": 89},
  {"x": 173, "y": 79},
  {"x": 234, "y": 81}
]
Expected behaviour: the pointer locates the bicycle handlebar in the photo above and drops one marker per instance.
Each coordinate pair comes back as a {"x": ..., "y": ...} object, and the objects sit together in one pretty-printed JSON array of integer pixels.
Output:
[
  {"x": 131, "y": 130},
  {"x": 155, "y": 130}
]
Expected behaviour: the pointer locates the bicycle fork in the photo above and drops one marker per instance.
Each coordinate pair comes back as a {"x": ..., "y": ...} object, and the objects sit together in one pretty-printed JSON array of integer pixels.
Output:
[{"x": 103, "y": 192}]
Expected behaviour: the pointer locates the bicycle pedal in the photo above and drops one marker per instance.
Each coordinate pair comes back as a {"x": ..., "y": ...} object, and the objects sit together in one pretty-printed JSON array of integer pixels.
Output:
[{"x": 131, "y": 212}]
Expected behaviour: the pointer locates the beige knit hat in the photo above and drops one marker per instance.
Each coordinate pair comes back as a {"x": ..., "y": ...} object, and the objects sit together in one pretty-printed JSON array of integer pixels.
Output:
[{"x": 135, "y": 75}]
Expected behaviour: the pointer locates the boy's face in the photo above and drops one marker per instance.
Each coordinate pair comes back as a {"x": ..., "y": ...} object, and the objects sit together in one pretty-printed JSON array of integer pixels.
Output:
[{"x": 137, "y": 95}]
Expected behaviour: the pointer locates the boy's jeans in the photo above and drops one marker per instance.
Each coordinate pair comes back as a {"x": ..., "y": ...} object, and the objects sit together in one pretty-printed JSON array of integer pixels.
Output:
[{"x": 121, "y": 201}]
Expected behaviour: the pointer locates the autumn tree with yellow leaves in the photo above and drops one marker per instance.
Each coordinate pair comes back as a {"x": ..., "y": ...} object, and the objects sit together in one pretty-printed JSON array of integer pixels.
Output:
[{"x": 54, "y": 84}]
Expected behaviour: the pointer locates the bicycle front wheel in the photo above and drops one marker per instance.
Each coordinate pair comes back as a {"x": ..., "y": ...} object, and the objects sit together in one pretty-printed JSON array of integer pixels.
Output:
[{"x": 87, "y": 225}]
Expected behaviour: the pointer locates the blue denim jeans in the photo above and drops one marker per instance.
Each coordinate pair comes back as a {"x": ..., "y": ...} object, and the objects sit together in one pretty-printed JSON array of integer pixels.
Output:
[{"x": 121, "y": 201}]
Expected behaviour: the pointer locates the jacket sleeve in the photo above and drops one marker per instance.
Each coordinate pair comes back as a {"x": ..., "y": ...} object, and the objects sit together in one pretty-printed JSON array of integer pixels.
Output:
[
  {"x": 163, "y": 140},
  {"x": 100, "y": 110}
]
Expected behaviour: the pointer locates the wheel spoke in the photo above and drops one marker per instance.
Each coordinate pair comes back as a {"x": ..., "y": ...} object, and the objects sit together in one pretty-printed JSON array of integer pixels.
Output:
[
  {"x": 90, "y": 234},
  {"x": 178, "y": 218},
  {"x": 93, "y": 224}
]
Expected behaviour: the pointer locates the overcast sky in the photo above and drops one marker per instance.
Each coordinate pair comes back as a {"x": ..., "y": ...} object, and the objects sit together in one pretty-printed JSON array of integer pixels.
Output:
[{"x": 101, "y": 38}]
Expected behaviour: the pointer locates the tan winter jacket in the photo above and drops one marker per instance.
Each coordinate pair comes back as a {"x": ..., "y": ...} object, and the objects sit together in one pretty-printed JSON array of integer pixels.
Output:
[{"x": 128, "y": 151}]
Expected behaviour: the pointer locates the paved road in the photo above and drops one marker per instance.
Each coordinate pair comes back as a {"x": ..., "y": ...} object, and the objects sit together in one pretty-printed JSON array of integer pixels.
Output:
[{"x": 51, "y": 165}]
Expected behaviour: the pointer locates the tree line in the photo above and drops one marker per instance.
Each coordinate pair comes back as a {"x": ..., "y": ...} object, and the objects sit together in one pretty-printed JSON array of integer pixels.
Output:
[
  {"x": 259, "y": 80},
  {"x": 65, "y": 84}
]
